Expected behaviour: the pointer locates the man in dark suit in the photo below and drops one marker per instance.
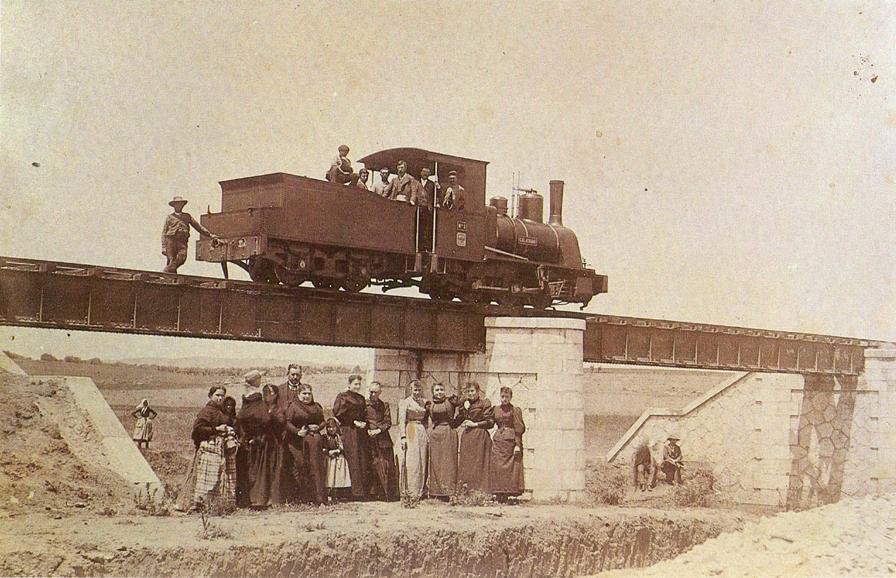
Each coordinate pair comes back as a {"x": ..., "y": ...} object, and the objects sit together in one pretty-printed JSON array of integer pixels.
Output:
[
  {"x": 425, "y": 194},
  {"x": 402, "y": 186}
]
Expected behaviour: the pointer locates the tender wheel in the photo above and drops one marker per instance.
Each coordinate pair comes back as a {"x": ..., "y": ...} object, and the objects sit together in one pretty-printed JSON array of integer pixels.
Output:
[
  {"x": 262, "y": 271},
  {"x": 323, "y": 284},
  {"x": 355, "y": 284},
  {"x": 287, "y": 277}
]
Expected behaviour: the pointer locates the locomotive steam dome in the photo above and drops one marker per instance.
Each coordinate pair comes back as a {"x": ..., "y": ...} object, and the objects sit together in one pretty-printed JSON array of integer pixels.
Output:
[
  {"x": 531, "y": 207},
  {"x": 500, "y": 203}
]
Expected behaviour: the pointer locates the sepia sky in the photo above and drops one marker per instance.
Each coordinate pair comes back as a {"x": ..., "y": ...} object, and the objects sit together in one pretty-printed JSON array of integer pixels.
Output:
[{"x": 725, "y": 162}]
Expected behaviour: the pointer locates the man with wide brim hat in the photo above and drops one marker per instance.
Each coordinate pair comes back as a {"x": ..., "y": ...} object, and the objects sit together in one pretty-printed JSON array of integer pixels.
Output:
[
  {"x": 176, "y": 234},
  {"x": 672, "y": 459}
]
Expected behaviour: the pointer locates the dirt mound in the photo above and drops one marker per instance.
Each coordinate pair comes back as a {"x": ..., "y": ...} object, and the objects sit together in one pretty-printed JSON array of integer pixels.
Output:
[
  {"x": 50, "y": 457},
  {"x": 852, "y": 537},
  {"x": 170, "y": 466},
  {"x": 368, "y": 539}
]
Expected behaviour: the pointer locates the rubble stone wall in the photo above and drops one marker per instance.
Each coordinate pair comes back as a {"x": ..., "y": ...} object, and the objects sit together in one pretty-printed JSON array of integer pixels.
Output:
[{"x": 785, "y": 440}]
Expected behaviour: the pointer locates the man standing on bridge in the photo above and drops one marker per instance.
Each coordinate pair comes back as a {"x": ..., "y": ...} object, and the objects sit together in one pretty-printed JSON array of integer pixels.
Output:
[{"x": 176, "y": 234}]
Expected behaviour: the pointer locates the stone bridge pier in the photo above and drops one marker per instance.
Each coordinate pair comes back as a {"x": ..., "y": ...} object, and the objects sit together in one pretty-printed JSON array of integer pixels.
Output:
[{"x": 541, "y": 360}]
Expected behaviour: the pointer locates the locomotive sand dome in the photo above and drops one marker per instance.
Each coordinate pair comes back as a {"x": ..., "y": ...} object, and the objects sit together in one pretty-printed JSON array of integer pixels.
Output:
[{"x": 288, "y": 229}]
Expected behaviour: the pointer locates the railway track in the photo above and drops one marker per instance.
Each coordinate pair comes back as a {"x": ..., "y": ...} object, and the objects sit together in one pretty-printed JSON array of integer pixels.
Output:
[{"x": 50, "y": 294}]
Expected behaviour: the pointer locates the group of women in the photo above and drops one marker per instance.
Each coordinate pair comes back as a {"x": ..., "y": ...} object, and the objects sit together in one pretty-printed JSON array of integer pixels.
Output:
[
  {"x": 446, "y": 448},
  {"x": 279, "y": 448}
]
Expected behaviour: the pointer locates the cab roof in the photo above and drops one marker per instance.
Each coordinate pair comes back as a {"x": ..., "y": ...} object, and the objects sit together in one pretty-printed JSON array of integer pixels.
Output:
[{"x": 471, "y": 173}]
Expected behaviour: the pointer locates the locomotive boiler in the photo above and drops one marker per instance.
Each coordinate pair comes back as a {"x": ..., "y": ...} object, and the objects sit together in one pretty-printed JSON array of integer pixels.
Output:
[{"x": 289, "y": 229}]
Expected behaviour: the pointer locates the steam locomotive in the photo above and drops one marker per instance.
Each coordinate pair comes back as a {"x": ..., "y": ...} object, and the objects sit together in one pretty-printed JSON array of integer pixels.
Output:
[{"x": 288, "y": 229}]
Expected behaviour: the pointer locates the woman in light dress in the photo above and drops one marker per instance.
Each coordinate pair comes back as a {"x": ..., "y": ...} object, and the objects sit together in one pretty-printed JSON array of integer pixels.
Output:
[{"x": 412, "y": 414}]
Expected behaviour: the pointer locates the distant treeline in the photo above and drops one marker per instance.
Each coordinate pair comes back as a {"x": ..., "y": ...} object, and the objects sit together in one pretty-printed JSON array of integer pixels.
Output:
[{"x": 229, "y": 371}]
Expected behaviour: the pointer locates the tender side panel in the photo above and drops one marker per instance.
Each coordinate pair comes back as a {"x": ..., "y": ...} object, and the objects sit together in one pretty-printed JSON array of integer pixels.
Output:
[
  {"x": 327, "y": 214},
  {"x": 461, "y": 235},
  {"x": 293, "y": 208}
]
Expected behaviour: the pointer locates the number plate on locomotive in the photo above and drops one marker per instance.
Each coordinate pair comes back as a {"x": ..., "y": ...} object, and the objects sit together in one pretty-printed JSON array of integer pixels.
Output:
[
  {"x": 461, "y": 239},
  {"x": 528, "y": 241},
  {"x": 462, "y": 226}
]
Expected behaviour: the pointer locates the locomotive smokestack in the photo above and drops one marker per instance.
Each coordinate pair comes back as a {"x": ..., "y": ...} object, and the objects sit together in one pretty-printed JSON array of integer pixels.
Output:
[{"x": 556, "y": 217}]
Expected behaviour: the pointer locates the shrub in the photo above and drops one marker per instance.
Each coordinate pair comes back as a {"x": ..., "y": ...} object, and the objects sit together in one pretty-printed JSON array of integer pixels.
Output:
[
  {"x": 47, "y": 357},
  {"x": 72, "y": 359},
  {"x": 606, "y": 483},
  {"x": 467, "y": 497},
  {"x": 697, "y": 489}
]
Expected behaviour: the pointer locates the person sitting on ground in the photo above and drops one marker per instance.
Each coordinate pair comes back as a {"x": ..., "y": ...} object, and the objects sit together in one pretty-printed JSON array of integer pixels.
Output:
[
  {"x": 672, "y": 460},
  {"x": 646, "y": 463},
  {"x": 455, "y": 195},
  {"x": 402, "y": 186},
  {"x": 380, "y": 187},
  {"x": 341, "y": 169},
  {"x": 143, "y": 426}
]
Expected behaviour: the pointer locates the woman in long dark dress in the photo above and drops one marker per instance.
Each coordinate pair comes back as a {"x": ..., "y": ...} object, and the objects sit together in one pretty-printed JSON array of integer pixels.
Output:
[
  {"x": 442, "y": 468},
  {"x": 476, "y": 419},
  {"x": 303, "y": 421},
  {"x": 350, "y": 409},
  {"x": 275, "y": 463},
  {"x": 253, "y": 429},
  {"x": 506, "y": 475}
]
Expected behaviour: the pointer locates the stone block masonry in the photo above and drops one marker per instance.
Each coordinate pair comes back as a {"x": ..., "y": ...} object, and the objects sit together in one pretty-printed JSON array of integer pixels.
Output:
[
  {"x": 788, "y": 440},
  {"x": 541, "y": 360}
]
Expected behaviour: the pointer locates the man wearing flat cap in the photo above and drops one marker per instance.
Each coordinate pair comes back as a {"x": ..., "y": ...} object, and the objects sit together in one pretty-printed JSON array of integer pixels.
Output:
[
  {"x": 455, "y": 195},
  {"x": 176, "y": 234}
]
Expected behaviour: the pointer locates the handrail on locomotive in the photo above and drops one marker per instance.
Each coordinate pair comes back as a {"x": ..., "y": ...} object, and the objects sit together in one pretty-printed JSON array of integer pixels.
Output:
[{"x": 289, "y": 229}]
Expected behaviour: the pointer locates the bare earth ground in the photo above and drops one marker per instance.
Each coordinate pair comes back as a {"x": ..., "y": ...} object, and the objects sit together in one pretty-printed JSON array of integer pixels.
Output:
[
  {"x": 852, "y": 537},
  {"x": 63, "y": 514}
]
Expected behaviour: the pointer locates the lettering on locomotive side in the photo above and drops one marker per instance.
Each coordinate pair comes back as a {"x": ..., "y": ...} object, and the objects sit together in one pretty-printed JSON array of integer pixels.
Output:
[
  {"x": 462, "y": 226},
  {"x": 528, "y": 241}
]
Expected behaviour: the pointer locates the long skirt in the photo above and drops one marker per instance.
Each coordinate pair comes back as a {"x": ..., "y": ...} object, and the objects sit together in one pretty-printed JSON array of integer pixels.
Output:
[
  {"x": 210, "y": 479},
  {"x": 337, "y": 472},
  {"x": 506, "y": 466},
  {"x": 383, "y": 473},
  {"x": 474, "y": 460},
  {"x": 316, "y": 464},
  {"x": 412, "y": 461},
  {"x": 354, "y": 441},
  {"x": 279, "y": 471},
  {"x": 142, "y": 430},
  {"x": 256, "y": 469},
  {"x": 296, "y": 481},
  {"x": 442, "y": 478}
]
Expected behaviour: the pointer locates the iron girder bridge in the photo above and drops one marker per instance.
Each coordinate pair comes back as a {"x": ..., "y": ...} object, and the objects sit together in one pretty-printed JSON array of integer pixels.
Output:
[{"x": 70, "y": 296}]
